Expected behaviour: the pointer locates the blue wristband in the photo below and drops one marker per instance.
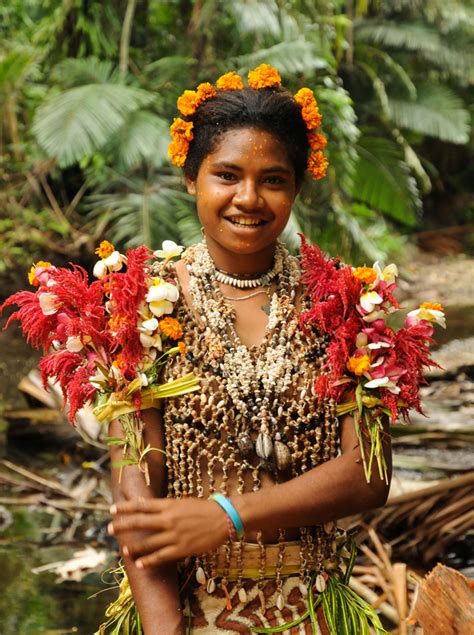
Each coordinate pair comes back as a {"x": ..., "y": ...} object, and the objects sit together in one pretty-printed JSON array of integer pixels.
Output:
[{"x": 230, "y": 511}]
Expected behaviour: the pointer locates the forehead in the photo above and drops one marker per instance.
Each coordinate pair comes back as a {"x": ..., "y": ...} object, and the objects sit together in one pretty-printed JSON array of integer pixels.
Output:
[{"x": 249, "y": 145}]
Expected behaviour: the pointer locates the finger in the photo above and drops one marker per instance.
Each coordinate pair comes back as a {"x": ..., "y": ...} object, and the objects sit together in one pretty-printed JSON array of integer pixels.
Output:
[
  {"x": 130, "y": 522},
  {"x": 168, "y": 554},
  {"x": 144, "y": 505},
  {"x": 146, "y": 546}
]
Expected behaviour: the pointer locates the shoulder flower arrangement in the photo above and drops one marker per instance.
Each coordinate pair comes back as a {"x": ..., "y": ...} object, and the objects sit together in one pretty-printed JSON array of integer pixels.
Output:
[
  {"x": 262, "y": 77},
  {"x": 372, "y": 371},
  {"x": 104, "y": 341}
]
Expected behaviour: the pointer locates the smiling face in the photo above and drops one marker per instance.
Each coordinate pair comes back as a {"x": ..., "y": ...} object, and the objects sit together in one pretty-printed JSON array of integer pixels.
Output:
[{"x": 244, "y": 192}]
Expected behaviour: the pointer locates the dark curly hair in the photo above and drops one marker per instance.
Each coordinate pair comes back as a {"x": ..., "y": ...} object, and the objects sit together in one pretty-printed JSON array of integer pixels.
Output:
[{"x": 271, "y": 109}]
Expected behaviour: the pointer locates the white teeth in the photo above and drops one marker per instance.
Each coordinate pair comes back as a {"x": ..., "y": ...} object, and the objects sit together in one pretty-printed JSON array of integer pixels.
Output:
[{"x": 240, "y": 220}]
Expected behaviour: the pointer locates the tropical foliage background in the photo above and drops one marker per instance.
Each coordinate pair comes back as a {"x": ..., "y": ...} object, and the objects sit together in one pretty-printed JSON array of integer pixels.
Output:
[{"x": 88, "y": 87}]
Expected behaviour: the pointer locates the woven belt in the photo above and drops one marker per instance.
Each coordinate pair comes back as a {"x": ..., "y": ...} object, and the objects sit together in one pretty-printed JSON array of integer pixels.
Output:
[{"x": 251, "y": 556}]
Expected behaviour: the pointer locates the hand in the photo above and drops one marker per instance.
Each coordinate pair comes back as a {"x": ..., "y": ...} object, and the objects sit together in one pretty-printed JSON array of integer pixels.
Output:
[{"x": 177, "y": 528}]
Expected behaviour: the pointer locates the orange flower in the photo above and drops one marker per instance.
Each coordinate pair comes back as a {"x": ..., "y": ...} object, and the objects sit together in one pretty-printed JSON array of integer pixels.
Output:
[
  {"x": 118, "y": 361},
  {"x": 365, "y": 274},
  {"x": 32, "y": 279},
  {"x": 316, "y": 141},
  {"x": 181, "y": 128},
  {"x": 230, "y": 81},
  {"x": 433, "y": 306},
  {"x": 309, "y": 108},
  {"x": 188, "y": 102},
  {"x": 205, "y": 91},
  {"x": 317, "y": 165},
  {"x": 171, "y": 328},
  {"x": 264, "y": 76},
  {"x": 304, "y": 96},
  {"x": 182, "y": 348},
  {"x": 358, "y": 365},
  {"x": 178, "y": 151},
  {"x": 105, "y": 249}
]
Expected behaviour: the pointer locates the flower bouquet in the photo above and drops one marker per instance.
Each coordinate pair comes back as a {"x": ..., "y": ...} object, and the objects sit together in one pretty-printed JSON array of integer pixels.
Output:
[
  {"x": 105, "y": 341},
  {"x": 371, "y": 370}
]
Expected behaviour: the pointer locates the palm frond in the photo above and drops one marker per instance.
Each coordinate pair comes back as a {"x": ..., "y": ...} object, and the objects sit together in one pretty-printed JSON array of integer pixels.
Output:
[
  {"x": 293, "y": 56},
  {"x": 139, "y": 211},
  {"x": 256, "y": 16},
  {"x": 425, "y": 40},
  {"x": 15, "y": 67},
  {"x": 169, "y": 69},
  {"x": 143, "y": 137},
  {"x": 78, "y": 72},
  {"x": 437, "y": 112},
  {"x": 383, "y": 181},
  {"x": 82, "y": 120}
]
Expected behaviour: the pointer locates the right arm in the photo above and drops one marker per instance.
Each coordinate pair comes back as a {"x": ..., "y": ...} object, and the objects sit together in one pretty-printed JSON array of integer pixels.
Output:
[{"x": 155, "y": 589}]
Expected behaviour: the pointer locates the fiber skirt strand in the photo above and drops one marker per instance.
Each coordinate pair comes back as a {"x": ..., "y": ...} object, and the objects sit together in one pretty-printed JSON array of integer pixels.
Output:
[{"x": 208, "y": 615}]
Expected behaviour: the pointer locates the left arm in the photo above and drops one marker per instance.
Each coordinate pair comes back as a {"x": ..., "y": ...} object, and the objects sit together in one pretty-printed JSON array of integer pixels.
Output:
[{"x": 330, "y": 491}]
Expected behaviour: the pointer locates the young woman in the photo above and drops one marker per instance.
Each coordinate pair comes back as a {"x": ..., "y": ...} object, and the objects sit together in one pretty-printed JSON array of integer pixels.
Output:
[{"x": 283, "y": 465}]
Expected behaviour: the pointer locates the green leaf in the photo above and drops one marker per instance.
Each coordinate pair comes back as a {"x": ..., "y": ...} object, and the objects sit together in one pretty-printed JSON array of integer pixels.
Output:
[
  {"x": 82, "y": 120},
  {"x": 79, "y": 72},
  {"x": 437, "y": 112},
  {"x": 143, "y": 137},
  {"x": 383, "y": 181}
]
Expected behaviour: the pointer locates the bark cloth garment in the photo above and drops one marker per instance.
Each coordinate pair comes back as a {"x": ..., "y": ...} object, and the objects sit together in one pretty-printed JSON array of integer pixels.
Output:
[{"x": 207, "y": 443}]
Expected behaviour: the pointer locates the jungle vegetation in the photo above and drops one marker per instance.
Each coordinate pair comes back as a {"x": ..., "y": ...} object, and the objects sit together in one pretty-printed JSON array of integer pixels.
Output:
[{"x": 88, "y": 87}]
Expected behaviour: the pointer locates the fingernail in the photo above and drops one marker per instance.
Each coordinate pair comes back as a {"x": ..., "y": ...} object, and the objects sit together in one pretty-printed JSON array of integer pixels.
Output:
[
  {"x": 113, "y": 509},
  {"x": 139, "y": 564},
  {"x": 125, "y": 551},
  {"x": 110, "y": 529}
]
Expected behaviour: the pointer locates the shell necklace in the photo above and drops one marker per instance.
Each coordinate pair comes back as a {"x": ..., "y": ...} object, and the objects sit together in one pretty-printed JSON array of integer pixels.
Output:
[{"x": 253, "y": 382}]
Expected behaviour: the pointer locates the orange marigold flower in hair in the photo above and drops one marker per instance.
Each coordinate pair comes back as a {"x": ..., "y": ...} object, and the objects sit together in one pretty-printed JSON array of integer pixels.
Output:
[
  {"x": 304, "y": 96},
  {"x": 182, "y": 347},
  {"x": 317, "y": 165},
  {"x": 105, "y": 249},
  {"x": 365, "y": 274},
  {"x": 205, "y": 91},
  {"x": 181, "y": 128},
  {"x": 188, "y": 103},
  {"x": 171, "y": 328},
  {"x": 358, "y": 365},
  {"x": 264, "y": 76},
  {"x": 178, "y": 151},
  {"x": 230, "y": 81},
  {"x": 316, "y": 141}
]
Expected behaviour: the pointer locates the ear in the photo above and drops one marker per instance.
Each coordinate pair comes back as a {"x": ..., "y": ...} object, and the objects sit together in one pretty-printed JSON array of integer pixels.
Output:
[{"x": 190, "y": 185}]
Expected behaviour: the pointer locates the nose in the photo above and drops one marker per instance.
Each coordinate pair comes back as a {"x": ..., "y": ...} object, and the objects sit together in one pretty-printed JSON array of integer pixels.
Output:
[{"x": 247, "y": 195}]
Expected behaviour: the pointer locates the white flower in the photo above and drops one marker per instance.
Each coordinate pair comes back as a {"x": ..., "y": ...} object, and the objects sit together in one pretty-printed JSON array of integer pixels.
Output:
[
  {"x": 48, "y": 303},
  {"x": 374, "y": 315},
  {"x": 369, "y": 300},
  {"x": 162, "y": 290},
  {"x": 148, "y": 326},
  {"x": 114, "y": 262},
  {"x": 385, "y": 382},
  {"x": 376, "y": 345},
  {"x": 100, "y": 270},
  {"x": 74, "y": 344},
  {"x": 161, "y": 307},
  {"x": 169, "y": 249},
  {"x": 149, "y": 341},
  {"x": 143, "y": 378},
  {"x": 388, "y": 275},
  {"x": 430, "y": 315}
]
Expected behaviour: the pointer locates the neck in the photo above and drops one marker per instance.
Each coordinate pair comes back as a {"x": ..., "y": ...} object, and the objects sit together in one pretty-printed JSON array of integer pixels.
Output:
[{"x": 241, "y": 263}]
